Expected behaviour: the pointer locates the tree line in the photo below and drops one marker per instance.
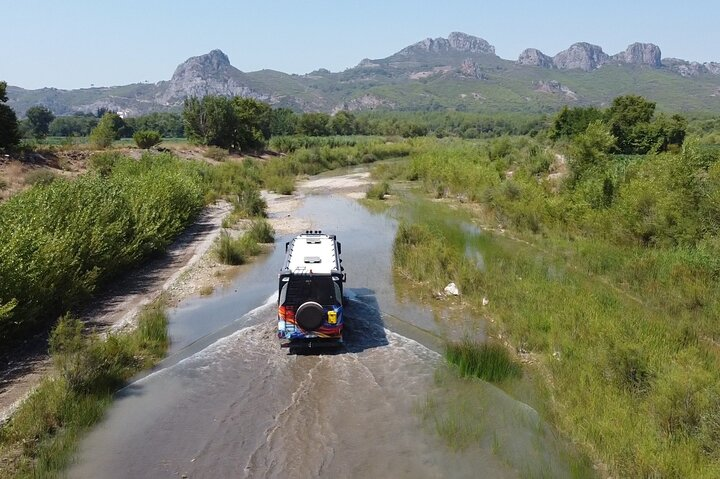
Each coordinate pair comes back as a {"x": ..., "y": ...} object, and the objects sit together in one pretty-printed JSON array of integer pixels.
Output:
[{"x": 629, "y": 126}]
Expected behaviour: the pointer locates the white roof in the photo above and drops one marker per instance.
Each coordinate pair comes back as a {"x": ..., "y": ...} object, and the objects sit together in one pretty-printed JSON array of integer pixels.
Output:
[{"x": 314, "y": 253}]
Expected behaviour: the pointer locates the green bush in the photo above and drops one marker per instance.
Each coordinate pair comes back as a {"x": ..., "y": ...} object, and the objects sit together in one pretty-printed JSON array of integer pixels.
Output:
[
  {"x": 42, "y": 435},
  {"x": 103, "y": 163},
  {"x": 235, "y": 251},
  {"x": 378, "y": 191},
  {"x": 282, "y": 185},
  {"x": 59, "y": 243},
  {"x": 105, "y": 132},
  {"x": 248, "y": 201},
  {"x": 146, "y": 139},
  {"x": 261, "y": 231}
]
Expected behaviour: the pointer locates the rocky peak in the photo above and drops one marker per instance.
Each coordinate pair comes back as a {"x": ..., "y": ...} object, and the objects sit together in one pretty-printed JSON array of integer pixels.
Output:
[
  {"x": 582, "y": 56},
  {"x": 534, "y": 57},
  {"x": 463, "y": 42},
  {"x": 209, "y": 74},
  {"x": 640, "y": 54},
  {"x": 456, "y": 42},
  {"x": 203, "y": 65}
]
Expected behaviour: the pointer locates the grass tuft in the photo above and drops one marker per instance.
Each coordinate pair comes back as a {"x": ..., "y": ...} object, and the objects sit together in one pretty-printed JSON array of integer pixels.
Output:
[
  {"x": 261, "y": 231},
  {"x": 378, "y": 191},
  {"x": 216, "y": 153},
  {"x": 235, "y": 251},
  {"x": 487, "y": 361}
]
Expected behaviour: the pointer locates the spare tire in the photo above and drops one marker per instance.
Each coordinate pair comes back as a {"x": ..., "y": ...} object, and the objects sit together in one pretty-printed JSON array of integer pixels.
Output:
[{"x": 310, "y": 316}]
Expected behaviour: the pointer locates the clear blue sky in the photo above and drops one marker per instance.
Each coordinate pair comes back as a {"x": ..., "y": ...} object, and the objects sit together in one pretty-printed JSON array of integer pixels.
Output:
[{"x": 76, "y": 43}]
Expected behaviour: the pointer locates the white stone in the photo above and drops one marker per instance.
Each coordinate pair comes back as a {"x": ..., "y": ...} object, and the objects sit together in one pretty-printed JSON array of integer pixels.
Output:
[{"x": 452, "y": 290}]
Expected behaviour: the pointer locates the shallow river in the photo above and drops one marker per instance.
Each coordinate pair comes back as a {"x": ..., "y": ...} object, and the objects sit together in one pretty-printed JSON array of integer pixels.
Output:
[{"x": 228, "y": 402}]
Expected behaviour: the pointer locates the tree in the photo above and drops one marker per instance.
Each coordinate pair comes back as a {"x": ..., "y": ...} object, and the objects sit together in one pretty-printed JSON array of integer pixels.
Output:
[
  {"x": 79, "y": 124},
  {"x": 314, "y": 124},
  {"x": 210, "y": 121},
  {"x": 252, "y": 123},
  {"x": 39, "y": 119},
  {"x": 343, "y": 123},
  {"x": 169, "y": 125},
  {"x": 146, "y": 139},
  {"x": 573, "y": 121},
  {"x": 283, "y": 121},
  {"x": 106, "y": 131},
  {"x": 590, "y": 149},
  {"x": 9, "y": 132},
  {"x": 628, "y": 118}
]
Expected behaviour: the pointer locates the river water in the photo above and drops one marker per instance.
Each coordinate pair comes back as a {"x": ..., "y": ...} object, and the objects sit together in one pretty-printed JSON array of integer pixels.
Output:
[{"x": 228, "y": 402}]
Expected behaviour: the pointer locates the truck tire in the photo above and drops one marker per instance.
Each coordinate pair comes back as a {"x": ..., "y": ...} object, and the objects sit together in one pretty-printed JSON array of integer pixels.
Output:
[{"x": 310, "y": 316}]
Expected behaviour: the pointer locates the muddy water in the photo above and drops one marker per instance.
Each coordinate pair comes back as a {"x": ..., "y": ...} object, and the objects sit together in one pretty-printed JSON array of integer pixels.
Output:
[{"x": 230, "y": 403}]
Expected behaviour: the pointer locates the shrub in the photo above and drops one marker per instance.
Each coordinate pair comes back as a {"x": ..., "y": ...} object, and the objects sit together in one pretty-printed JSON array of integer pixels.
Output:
[
  {"x": 216, "y": 153},
  {"x": 282, "y": 185},
  {"x": 147, "y": 139},
  {"x": 378, "y": 191},
  {"x": 105, "y": 132},
  {"x": 103, "y": 163},
  {"x": 40, "y": 178},
  {"x": 261, "y": 231},
  {"x": 228, "y": 251},
  {"x": 248, "y": 202},
  {"x": 59, "y": 243},
  {"x": 235, "y": 251},
  {"x": 88, "y": 364},
  {"x": 631, "y": 370}
]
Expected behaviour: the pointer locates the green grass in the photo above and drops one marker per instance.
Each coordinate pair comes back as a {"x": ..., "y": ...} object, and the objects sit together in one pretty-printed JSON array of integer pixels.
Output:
[
  {"x": 235, "y": 251},
  {"x": 261, "y": 231},
  {"x": 282, "y": 185},
  {"x": 473, "y": 417},
  {"x": 216, "y": 153},
  {"x": 42, "y": 435},
  {"x": 615, "y": 298},
  {"x": 378, "y": 191},
  {"x": 40, "y": 177},
  {"x": 487, "y": 361}
]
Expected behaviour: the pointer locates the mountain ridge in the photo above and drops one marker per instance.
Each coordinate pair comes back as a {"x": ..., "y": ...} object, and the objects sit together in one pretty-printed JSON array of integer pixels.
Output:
[{"x": 460, "y": 72}]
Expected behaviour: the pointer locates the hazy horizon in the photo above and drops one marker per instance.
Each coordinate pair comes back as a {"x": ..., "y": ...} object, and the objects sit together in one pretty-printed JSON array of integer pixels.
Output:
[{"x": 79, "y": 44}]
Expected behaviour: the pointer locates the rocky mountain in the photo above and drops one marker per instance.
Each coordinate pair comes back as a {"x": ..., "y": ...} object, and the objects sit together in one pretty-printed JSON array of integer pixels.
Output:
[
  {"x": 210, "y": 74},
  {"x": 588, "y": 57},
  {"x": 455, "y": 42},
  {"x": 534, "y": 57},
  {"x": 460, "y": 72},
  {"x": 640, "y": 54},
  {"x": 582, "y": 56}
]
